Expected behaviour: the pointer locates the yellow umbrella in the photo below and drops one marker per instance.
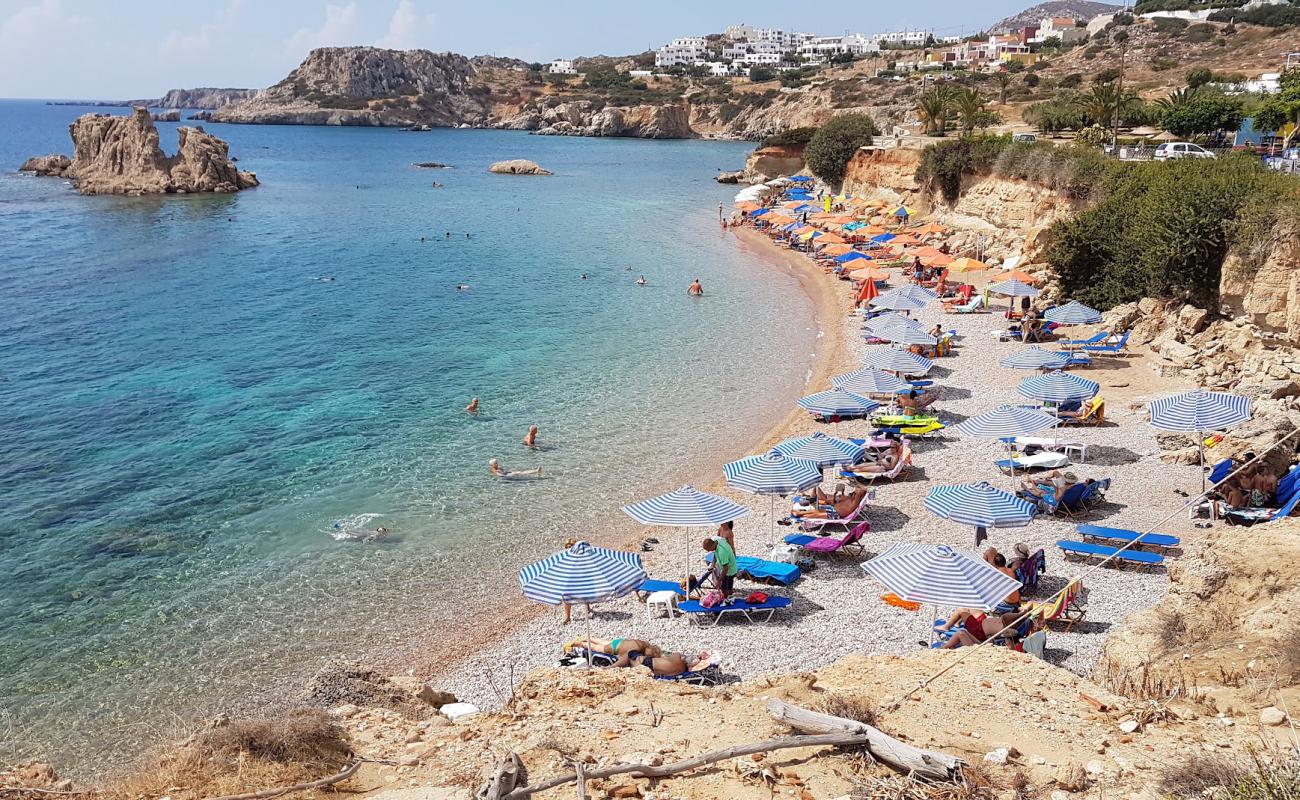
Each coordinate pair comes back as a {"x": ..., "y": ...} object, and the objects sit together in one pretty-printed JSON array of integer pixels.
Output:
[{"x": 967, "y": 265}]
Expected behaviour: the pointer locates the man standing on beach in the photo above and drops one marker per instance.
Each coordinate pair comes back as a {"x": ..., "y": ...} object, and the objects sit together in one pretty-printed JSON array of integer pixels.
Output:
[
  {"x": 724, "y": 564},
  {"x": 719, "y": 212}
]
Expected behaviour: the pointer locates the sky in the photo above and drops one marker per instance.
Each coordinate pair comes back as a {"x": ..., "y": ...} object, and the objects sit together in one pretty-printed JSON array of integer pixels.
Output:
[{"x": 130, "y": 49}]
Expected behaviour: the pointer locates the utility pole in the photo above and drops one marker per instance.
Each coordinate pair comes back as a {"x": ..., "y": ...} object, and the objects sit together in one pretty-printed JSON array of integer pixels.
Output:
[{"x": 1119, "y": 96}]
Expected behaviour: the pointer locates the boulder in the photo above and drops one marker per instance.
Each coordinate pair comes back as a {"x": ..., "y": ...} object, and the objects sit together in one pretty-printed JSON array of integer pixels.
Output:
[
  {"x": 1192, "y": 320},
  {"x": 435, "y": 697},
  {"x": 766, "y": 163},
  {"x": 730, "y": 177},
  {"x": 53, "y": 165},
  {"x": 173, "y": 115},
  {"x": 518, "y": 166},
  {"x": 1272, "y": 716},
  {"x": 1072, "y": 777}
]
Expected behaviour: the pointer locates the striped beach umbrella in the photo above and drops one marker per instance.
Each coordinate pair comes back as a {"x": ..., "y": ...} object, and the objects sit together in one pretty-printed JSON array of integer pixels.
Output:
[
  {"x": 582, "y": 574},
  {"x": 869, "y": 381},
  {"x": 772, "y": 474},
  {"x": 941, "y": 575},
  {"x": 1014, "y": 288},
  {"x": 1035, "y": 357},
  {"x": 837, "y": 403},
  {"x": 1073, "y": 313},
  {"x": 1006, "y": 421},
  {"x": 897, "y": 330},
  {"x": 980, "y": 505},
  {"x": 821, "y": 449},
  {"x": 922, "y": 293},
  {"x": 1197, "y": 412},
  {"x": 894, "y": 300},
  {"x": 685, "y": 507},
  {"x": 1058, "y": 387},
  {"x": 899, "y": 361}
]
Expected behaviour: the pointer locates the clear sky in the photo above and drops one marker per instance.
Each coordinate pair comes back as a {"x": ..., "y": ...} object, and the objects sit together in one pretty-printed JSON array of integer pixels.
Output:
[{"x": 126, "y": 49}]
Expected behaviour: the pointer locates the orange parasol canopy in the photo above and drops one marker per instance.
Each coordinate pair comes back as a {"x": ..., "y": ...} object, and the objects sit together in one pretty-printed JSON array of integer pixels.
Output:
[
  {"x": 927, "y": 251},
  {"x": 967, "y": 265},
  {"x": 868, "y": 292},
  {"x": 830, "y": 238},
  {"x": 868, "y": 274},
  {"x": 803, "y": 230},
  {"x": 1016, "y": 275},
  {"x": 748, "y": 207},
  {"x": 836, "y": 249},
  {"x": 931, "y": 227},
  {"x": 937, "y": 260}
]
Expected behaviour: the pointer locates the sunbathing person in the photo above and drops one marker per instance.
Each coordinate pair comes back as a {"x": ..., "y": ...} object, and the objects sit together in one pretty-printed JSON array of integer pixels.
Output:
[
  {"x": 615, "y": 647},
  {"x": 667, "y": 665},
  {"x": 886, "y": 462},
  {"x": 916, "y": 401},
  {"x": 1049, "y": 483},
  {"x": 845, "y": 506},
  {"x": 999, "y": 562},
  {"x": 1018, "y": 556},
  {"x": 975, "y": 628}
]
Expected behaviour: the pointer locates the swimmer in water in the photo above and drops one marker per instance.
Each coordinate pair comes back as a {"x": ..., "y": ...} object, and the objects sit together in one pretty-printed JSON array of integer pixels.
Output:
[
  {"x": 582, "y": 277},
  {"x": 695, "y": 289},
  {"x": 472, "y": 408},
  {"x": 640, "y": 281},
  {"x": 530, "y": 438},
  {"x": 498, "y": 472},
  {"x": 448, "y": 234},
  {"x": 462, "y": 287}
]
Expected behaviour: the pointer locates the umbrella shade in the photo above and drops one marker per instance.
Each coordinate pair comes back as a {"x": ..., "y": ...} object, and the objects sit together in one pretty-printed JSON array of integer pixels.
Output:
[
  {"x": 884, "y": 237},
  {"x": 1016, "y": 275},
  {"x": 760, "y": 212},
  {"x": 1006, "y": 421},
  {"x": 941, "y": 575},
  {"x": 937, "y": 260},
  {"x": 900, "y": 331},
  {"x": 967, "y": 265},
  {"x": 1073, "y": 313},
  {"x": 895, "y": 301},
  {"x": 821, "y": 449},
  {"x": 979, "y": 504},
  {"x": 836, "y": 403},
  {"x": 887, "y": 358},
  {"x": 1014, "y": 288},
  {"x": 582, "y": 574},
  {"x": 867, "y": 292},
  {"x": 903, "y": 211},
  {"x": 836, "y": 250},
  {"x": 830, "y": 238},
  {"x": 852, "y": 256},
  {"x": 1197, "y": 411},
  {"x": 892, "y": 320},
  {"x": 915, "y": 292},
  {"x": 868, "y": 274},
  {"x": 1058, "y": 387},
  {"x": 685, "y": 507},
  {"x": 929, "y": 228},
  {"x": 1036, "y": 357},
  {"x": 869, "y": 381},
  {"x": 772, "y": 473}
]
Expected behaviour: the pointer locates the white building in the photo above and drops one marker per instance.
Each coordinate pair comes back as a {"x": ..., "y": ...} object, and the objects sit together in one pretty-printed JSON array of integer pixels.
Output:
[
  {"x": 904, "y": 38},
  {"x": 1062, "y": 28},
  {"x": 718, "y": 69},
  {"x": 785, "y": 40},
  {"x": 682, "y": 52},
  {"x": 820, "y": 47},
  {"x": 741, "y": 47},
  {"x": 562, "y": 66},
  {"x": 755, "y": 59},
  {"x": 1267, "y": 83}
]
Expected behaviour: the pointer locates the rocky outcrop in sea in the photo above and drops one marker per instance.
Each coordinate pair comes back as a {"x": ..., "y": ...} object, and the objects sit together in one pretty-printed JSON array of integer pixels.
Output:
[{"x": 120, "y": 154}]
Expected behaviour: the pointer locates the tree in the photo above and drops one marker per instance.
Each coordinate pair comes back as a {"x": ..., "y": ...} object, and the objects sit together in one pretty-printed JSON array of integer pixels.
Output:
[
  {"x": 935, "y": 109},
  {"x": 1177, "y": 99},
  {"x": 1203, "y": 114},
  {"x": 1101, "y": 105},
  {"x": 1282, "y": 108},
  {"x": 1004, "y": 80},
  {"x": 968, "y": 105},
  {"x": 830, "y": 149},
  {"x": 758, "y": 74},
  {"x": 1199, "y": 77},
  {"x": 1031, "y": 80}
]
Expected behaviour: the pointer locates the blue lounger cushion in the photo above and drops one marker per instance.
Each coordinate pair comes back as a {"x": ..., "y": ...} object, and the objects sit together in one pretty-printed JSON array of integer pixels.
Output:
[
  {"x": 1122, "y": 535},
  {"x": 651, "y": 585},
  {"x": 1102, "y": 551},
  {"x": 754, "y": 612},
  {"x": 799, "y": 539},
  {"x": 759, "y": 569}
]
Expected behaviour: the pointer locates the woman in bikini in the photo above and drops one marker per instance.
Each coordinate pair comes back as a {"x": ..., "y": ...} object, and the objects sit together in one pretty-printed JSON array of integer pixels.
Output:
[
  {"x": 667, "y": 665},
  {"x": 975, "y": 628},
  {"x": 616, "y": 647}
]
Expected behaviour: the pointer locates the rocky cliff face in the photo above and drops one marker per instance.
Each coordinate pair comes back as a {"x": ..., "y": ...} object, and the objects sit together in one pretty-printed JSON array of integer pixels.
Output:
[
  {"x": 121, "y": 155},
  {"x": 367, "y": 86},
  {"x": 588, "y": 118},
  {"x": 1264, "y": 286},
  {"x": 205, "y": 97}
]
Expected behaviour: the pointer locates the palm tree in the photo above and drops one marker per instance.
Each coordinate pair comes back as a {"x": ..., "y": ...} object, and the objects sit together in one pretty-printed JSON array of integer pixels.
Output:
[
  {"x": 1101, "y": 105},
  {"x": 935, "y": 108},
  {"x": 1178, "y": 99},
  {"x": 969, "y": 107},
  {"x": 1004, "y": 80}
]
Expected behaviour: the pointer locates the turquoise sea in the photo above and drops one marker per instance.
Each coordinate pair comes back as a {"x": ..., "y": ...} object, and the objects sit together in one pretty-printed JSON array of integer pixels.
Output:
[{"x": 194, "y": 391}]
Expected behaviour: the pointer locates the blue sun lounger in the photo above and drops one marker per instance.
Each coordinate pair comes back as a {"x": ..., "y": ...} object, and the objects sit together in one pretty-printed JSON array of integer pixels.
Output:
[
  {"x": 1122, "y": 535},
  {"x": 752, "y": 612},
  {"x": 1096, "y": 338},
  {"x": 1139, "y": 558},
  {"x": 1108, "y": 349},
  {"x": 763, "y": 571},
  {"x": 650, "y": 586}
]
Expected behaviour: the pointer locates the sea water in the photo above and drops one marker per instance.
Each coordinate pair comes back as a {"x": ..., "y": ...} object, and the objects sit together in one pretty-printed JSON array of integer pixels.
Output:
[{"x": 203, "y": 398}]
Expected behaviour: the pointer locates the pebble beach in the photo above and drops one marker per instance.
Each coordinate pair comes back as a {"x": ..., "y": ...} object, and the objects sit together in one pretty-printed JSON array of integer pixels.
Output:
[{"x": 836, "y": 608}]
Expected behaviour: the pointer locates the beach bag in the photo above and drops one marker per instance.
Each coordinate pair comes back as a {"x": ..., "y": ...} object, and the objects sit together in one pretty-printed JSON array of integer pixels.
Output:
[
  {"x": 784, "y": 553},
  {"x": 712, "y": 599}
]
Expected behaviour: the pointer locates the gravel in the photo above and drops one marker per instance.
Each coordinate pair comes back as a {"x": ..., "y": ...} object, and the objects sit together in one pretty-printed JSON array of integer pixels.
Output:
[{"x": 836, "y": 608}]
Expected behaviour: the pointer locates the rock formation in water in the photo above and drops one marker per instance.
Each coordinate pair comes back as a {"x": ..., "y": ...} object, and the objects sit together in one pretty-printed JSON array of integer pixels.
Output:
[
  {"x": 367, "y": 86},
  {"x": 203, "y": 97},
  {"x": 518, "y": 166},
  {"x": 173, "y": 115},
  {"x": 120, "y": 154},
  {"x": 588, "y": 118}
]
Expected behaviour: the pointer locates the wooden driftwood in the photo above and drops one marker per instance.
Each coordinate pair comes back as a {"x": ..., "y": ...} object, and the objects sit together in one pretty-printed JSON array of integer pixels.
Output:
[
  {"x": 297, "y": 787},
  {"x": 927, "y": 764},
  {"x": 817, "y": 730}
]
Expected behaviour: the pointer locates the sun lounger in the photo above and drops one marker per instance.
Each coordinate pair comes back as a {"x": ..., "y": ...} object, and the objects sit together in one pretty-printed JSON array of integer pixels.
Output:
[
  {"x": 1078, "y": 358},
  {"x": 901, "y": 467},
  {"x": 1054, "y": 445},
  {"x": 1110, "y": 348},
  {"x": 705, "y": 674},
  {"x": 649, "y": 586},
  {"x": 970, "y": 307},
  {"x": 1221, "y": 470},
  {"x": 1094, "y": 413},
  {"x": 1045, "y": 459},
  {"x": 838, "y": 523},
  {"x": 751, "y": 612},
  {"x": 1097, "y": 338},
  {"x": 1122, "y": 535},
  {"x": 763, "y": 571},
  {"x": 1084, "y": 550},
  {"x": 851, "y": 540},
  {"x": 1064, "y": 607},
  {"x": 1031, "y": 570}
]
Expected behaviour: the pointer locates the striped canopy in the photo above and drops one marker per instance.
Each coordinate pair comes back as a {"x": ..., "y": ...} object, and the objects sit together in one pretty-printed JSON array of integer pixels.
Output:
[
  {"x": 1073, "y": 313},
  {"x": 942, "y": 575},
  {"x": 894, "y": 300},
  {"x": 897, "y": 361},
  {"x": 1058, "y": 387},
  {"x": 772, "y": 473},
  {"x": 869, "y": 381},
  {"x": 685, "y": 507},
  {"x": 836, "y": 403},
  {"x": 1014, "y": 288},
  {"x": 979, "y": 504},
  {"x": 1196, "y": 411},
  {"x": 582, "y": 574},
  {"x": 1006, "y": 421},
  {"x": 915, "y": 292},
  {"x": 896, "y": 329},
  {"x": 821, "y": 449},
  {"x": 1035, "y": 357}
]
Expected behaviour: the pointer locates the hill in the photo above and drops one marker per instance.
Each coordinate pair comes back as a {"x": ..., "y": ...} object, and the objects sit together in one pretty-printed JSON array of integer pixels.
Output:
[{"x": 1079, "y": 9}]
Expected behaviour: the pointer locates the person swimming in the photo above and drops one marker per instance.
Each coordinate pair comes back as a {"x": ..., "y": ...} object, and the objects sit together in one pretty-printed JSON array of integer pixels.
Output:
[
  {"x": 530, "y": 438},
  {"x": 499, "y": 472},
  {"x": 472, "y": 408},
  {"x": 696, "y": 289},
  {"x": 462, "y": 287},
  {"x": 582, "y": 277},
  {"x": 640, "y": 281}
]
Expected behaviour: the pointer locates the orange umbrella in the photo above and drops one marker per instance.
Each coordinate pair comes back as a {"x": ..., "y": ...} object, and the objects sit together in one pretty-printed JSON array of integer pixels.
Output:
[
  {"x": 927, "y": 251},
  {"x": 779, "y": 219},
  {"x": 932, "y": 227},
  {"x": 937, "y": 260},
  {"x": 868, "y": 274},
  {"x": 748, "y": 207},
  {"x": 1016, "y": 275},
  {"x": 836, "y": 249},
  {"x": 830, "y": 238},
  {"x": 868, "y": 292},
  {"x": 905, "y": 239},
  {"x": 872, "y": 230},
  {"x": 967, "y": 265}
]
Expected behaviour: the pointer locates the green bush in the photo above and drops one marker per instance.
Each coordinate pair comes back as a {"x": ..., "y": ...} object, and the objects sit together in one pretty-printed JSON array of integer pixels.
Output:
[
  {"x": 789, "y": 137},
  {"x": 835, "y": 142},
  {"x": 1203, "y": 114},
  {"x": 1268, "y": 16},
  {"x": 1169, "y": 24}
]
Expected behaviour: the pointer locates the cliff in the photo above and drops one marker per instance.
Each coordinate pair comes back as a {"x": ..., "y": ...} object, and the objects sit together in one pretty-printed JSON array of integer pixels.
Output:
[
  {"x": 205, "y": 97},
  {"x": 367, "y": 86},
  {"x": 115, "y": 154},
  {"x": 1262, "y": 283},
  {"x": 589, "y": 118}
]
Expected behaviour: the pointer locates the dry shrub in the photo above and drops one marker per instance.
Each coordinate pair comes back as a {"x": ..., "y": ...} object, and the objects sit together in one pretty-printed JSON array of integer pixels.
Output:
[
  {"x": 1288, "y": 651},
  {"x": 975, "y": 784},
  {"x": 854, "y": 707},
  {"x": 1020, "y": 785},
  {"x": 303, "y": 736},
  {"x": 1255, "y": 776},
  {"x": 1173, "y": 629}
]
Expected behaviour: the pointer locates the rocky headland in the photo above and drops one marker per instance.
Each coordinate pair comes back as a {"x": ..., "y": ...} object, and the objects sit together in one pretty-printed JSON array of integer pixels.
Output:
[
  {"x": 120, "y": 154},
  {"x": 589, "y": 118}
]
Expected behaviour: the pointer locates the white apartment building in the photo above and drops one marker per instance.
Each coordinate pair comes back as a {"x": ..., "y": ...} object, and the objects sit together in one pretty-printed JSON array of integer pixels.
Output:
[
  {"x": 682, "y": 52},
  {"x": 755, "y": 59},
  {"x": 739, "y": 48},
  {"x": 1062, "y": 28},
  {"x": 785, "y": 40},
  {"x": 905, "y": 38},
  {"x": 562, "y": 66},
  {"x": 820, "y": 47}
]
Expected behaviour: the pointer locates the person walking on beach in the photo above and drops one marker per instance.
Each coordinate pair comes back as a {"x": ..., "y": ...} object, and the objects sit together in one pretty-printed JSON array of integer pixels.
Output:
[
  {"x": 530, "y": 438},
  {"x": 472, "y": 408},
  {"x": 695, "y": 289}
]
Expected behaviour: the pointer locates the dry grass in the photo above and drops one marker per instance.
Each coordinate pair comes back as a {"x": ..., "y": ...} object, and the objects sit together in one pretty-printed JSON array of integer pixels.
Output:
[
  {"x": 1255, "y": 776},
  {"x": 1146, "y": 683},
  {"x": 1172, "y": 632},
  {"x": 975, "y": 785},
  {"x": 854, "y": 707}
]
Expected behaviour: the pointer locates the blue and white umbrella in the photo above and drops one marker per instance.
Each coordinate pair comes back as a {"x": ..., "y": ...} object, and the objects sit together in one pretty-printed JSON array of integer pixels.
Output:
[
  {"x": 869, "y": 381},
  {"x": 836, "y": 403},
  {"x": 1014, "y": 288},
  {"x": 917, "y": 292},
  {"x": 772, "y": 474},
  {"x": 980, "y": 505},
  {"x": 899, "y": 330},
  {"x": 1035, "y": 357},
  {"x": 895, "y": 300},
  {"x": 685, "y": 507},
  {"x": 1058, "y": 387},
  {"x": 1006, "y": 421},
  {"x": 1197, "y": 412},
  {"x": 941, "y": 575},
  {"x": 1073, "y": 313},
  {"x": 583, "y": 573},
  {"x": 821, "y": 449},
  {"x": 899, "y": 361}
]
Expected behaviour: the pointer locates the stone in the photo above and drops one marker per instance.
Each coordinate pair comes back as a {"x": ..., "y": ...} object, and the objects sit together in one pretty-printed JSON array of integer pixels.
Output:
[
  {"x": 1059, "y": 795},
  {"x": 1095, "y": 767},
  {"x": 454, "y": 711},
  {"x": 345, "y": 711},
  {"x": 729, "y": 177},
  {"x": 518, "y": 166},
  {"x": 435, "y": 697},
  {"x": 1072, "y": 777},
  {"x": 408, "y": 760},
  {"x": 1129, "y": 725},
  {"x": 998, "y": 756},
  {"x": 51, "y": 166},
  {"x": 1037, "y": 760},
  {"x": 1272, "y": 716},
  {"x": 1192, "y": 320}
]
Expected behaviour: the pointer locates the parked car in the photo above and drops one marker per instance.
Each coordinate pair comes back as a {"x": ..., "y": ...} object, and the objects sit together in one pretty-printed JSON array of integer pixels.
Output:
[
  {"x": 1027, "y": 138},
  {"x": 1172, "y": 150}
]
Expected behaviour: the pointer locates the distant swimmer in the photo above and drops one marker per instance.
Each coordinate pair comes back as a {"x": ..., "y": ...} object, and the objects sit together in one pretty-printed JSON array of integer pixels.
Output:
[
  {"x": 462, "y": 287},
  {"x": 467, "y": 236},
  {"x": 695, "y": 289},
  {"x": 472, "y": 408},
  {"x": 448, "y": 234},
  {"x": 640, "y": 281},
  {"x": 582, "y": 277},
  {"x": 421, "y": 240},
  {"x": 530, "y": 438},
  {"x": 499, "y": 472},
  {"x": 437, "y": 185}
]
